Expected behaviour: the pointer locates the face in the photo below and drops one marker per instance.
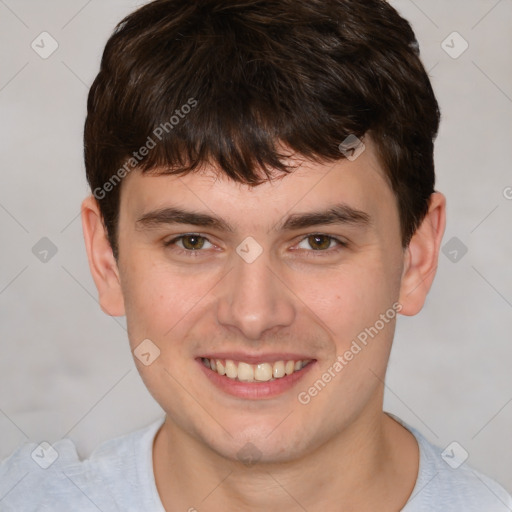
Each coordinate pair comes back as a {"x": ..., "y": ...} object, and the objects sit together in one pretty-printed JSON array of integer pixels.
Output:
[{"x": 298, "y": 269}]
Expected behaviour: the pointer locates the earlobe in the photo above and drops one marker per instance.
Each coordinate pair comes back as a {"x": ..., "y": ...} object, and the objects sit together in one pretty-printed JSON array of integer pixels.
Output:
[
  {"x": 421, "y": 257},
  {"x": 102, "y": 263}
]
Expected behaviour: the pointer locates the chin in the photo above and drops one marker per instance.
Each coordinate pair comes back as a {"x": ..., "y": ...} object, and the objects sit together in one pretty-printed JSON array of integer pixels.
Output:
[{"x": 251, "y": 447}]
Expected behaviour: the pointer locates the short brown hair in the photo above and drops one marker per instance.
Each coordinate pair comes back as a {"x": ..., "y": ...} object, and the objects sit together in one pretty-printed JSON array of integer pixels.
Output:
[{"x": 256, "y": 76}]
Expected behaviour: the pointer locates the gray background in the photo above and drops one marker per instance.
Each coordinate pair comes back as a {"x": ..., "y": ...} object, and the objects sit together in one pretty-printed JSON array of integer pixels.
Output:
[{"x": 65, "y": 366}]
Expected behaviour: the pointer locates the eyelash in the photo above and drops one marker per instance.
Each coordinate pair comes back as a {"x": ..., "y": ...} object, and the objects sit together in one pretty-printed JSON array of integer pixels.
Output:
[{"x": 318, "y": 253}]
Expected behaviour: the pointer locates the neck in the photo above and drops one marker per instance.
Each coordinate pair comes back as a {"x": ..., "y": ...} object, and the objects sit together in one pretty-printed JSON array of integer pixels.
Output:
[{"x": 370, "y": 465}]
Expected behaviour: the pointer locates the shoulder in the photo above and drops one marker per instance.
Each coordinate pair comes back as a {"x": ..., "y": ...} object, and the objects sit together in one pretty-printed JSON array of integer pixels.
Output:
[
  {"x": 447, "y": 482},
  {"x": 44, "y": 477},
  {"x": 454, "y": 481},
  {"x": 35, "y": 476}
]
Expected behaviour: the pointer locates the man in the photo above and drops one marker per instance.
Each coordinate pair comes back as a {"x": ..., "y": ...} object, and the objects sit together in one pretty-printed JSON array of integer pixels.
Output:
[{"x": 262, "y": 208}]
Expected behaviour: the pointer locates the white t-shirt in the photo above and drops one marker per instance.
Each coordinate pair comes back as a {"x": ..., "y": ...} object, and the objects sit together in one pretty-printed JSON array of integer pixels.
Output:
[{"x": 118, "y": 476}]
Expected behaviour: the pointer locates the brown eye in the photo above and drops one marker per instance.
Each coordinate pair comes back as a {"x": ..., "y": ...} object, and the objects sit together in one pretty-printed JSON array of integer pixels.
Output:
[
  {"x": 192, "y": 242},
  {"x": 188, "y": 244},
  {"x": 319, "y": 242}
]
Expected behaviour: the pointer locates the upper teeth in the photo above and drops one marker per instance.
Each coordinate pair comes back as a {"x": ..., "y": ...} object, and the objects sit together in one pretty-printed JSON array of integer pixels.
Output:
[{"x": 254, "y": 372}]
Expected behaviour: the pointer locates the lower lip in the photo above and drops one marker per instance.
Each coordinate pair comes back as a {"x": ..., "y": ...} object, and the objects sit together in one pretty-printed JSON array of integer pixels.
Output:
[{"x": 255, "y": 390}]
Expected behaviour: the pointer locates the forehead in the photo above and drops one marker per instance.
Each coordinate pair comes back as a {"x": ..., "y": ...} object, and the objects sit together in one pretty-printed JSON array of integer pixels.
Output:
[{"x": 360, "y": 184}]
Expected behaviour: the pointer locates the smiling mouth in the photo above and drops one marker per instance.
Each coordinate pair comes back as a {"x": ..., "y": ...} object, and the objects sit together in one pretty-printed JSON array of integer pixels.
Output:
[{"x": 261, "y": 372}]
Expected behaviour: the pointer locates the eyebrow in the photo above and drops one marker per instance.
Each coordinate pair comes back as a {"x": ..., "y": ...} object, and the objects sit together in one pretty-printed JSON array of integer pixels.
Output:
[{"x": 337, "y": 214}]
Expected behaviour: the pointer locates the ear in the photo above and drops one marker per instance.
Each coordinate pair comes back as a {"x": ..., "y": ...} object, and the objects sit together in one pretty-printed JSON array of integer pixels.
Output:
[
  {"x": 421, "y": 257},
  {"x": 102, "y": 263}
]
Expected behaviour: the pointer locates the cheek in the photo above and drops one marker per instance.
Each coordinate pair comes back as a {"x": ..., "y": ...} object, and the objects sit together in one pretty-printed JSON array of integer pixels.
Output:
[
  {"x": 159, "y": 300},
  {"x": 152, "y": 299},
  {"x": 351, "y": 298}
]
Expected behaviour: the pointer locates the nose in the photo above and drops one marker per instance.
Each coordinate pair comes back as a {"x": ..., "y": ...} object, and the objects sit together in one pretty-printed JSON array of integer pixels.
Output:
[{"x": 254, "y": 299}]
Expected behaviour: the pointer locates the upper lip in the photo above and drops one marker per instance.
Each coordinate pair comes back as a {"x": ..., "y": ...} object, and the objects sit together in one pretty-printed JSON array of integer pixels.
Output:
[{"x": 257, "y": 358}]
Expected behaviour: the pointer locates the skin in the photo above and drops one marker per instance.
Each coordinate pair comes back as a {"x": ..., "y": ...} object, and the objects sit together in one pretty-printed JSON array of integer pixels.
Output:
[{"x": 340, "y": 448}]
